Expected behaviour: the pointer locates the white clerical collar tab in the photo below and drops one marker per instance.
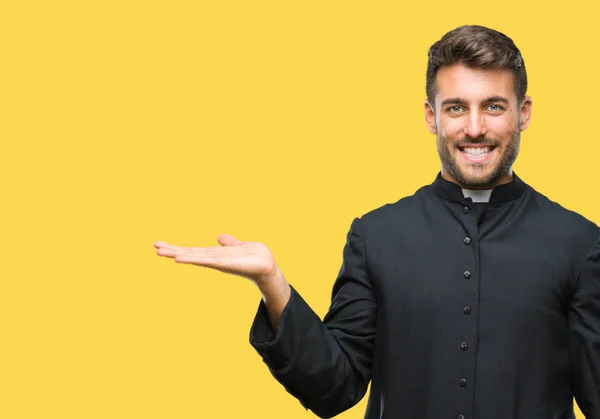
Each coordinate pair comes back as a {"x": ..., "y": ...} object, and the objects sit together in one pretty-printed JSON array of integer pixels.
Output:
[{"x": 477, "y": 195}]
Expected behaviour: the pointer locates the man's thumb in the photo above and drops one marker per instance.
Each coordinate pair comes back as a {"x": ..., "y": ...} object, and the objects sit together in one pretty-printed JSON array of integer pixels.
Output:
[{"x": 228, "y": 240}]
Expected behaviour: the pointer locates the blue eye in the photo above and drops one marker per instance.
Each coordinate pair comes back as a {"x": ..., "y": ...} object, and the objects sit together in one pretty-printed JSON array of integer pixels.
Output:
[
  {"x": 455, "y": 109},
  {"x": 494, "y": 107}
]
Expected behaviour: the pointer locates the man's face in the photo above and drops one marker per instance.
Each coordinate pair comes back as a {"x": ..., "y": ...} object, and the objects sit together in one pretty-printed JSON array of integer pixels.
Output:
[{"x": 478, "y": 121}]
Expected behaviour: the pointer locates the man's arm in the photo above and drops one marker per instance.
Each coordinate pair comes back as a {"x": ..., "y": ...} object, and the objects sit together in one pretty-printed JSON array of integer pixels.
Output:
[
  {"x": 325, "y": 364},
  {"x": 584, "y": 319}
]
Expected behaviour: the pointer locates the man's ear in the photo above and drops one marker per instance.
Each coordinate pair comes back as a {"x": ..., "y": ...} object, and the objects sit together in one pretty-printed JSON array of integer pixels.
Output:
[
  {"x": 430, "y": 117},
  {"x": 525, "y": 113}
]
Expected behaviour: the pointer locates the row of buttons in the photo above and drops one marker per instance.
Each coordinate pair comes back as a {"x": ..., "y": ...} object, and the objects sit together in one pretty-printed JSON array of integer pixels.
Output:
[{"x": 466, "y": 310}]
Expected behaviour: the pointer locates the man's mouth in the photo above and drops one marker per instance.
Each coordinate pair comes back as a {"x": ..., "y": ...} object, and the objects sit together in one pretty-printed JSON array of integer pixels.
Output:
[{"x": 476, "y": 153}]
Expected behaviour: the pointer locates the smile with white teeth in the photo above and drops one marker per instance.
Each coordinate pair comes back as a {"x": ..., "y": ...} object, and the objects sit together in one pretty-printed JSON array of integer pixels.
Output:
[{"x": 476, "y": 151}]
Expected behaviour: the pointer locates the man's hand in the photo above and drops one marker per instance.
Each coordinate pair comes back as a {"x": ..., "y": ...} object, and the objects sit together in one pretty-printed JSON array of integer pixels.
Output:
[{"x": 250, "y": 260}]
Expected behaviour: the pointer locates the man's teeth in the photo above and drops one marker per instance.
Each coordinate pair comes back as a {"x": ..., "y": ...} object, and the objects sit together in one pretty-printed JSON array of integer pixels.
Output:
[{"x": 476, "y": 151}]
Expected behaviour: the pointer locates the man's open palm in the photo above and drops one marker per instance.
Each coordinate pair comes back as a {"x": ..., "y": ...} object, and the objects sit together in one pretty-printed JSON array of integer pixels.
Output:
[{"x": 251, "y": 260}]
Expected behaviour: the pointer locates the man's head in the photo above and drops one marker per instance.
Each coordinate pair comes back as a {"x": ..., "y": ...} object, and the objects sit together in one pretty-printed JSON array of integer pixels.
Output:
[{"x": 476, "y": 105}]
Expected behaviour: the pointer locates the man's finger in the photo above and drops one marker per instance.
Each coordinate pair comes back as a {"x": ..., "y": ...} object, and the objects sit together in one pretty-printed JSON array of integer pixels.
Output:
[
  {"x": 201, "y": 260},
  {"x": 198, "y": 252},
  {"x": 228, "y": 240},
  {"x": 165, "y": 251},
  {"x": 163, "y": 245}
]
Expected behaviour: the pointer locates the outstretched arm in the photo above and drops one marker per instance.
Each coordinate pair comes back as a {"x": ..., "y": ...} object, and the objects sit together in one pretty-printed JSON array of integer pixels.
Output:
[{"x": 324, "y": 364}]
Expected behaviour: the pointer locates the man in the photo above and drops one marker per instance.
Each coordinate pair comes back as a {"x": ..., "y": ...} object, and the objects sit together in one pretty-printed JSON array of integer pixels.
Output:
[{"x": 476, "y": 297}]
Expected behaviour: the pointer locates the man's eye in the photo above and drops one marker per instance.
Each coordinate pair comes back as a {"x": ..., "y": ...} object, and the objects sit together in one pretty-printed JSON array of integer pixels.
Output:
[
  {"x": 494, "y": 107},
  {"x": 455, "y": 109}
]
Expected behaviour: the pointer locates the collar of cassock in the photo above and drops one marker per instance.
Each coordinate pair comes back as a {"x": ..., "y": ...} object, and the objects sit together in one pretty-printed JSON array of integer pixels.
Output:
[{"x": 452, "y": 192}]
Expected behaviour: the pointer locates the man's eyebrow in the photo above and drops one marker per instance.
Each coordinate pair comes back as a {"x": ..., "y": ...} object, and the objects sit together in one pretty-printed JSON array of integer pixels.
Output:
[
  {"x": 496, "y": 99},
  {"x": 459, "y": 101},
  {"x": 453, "y": 101}
]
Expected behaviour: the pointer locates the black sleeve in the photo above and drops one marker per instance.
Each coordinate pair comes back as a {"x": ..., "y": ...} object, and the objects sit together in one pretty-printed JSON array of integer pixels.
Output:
[
  {"x": 325, "y": 364},
  {"x": 584, "y": 318}
]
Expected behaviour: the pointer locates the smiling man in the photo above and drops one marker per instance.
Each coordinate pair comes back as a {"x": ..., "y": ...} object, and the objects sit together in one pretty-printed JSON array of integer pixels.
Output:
[{"x": 476, "y": 297}]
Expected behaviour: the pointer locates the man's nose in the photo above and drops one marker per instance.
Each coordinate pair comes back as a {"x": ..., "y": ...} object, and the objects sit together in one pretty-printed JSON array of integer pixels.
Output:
[{"x": 475, "y": 125}]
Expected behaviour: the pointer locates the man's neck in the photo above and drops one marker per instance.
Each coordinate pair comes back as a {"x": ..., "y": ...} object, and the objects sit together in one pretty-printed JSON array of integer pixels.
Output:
[{"x": 502, "y": 180}]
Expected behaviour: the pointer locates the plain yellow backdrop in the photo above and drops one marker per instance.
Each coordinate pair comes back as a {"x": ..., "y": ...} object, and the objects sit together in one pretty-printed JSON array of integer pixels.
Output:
[{"x": 127, "y": 122}]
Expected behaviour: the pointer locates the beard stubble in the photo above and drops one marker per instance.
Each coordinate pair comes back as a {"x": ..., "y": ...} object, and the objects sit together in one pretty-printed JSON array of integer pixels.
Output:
[{"x": 502, "y": 167}]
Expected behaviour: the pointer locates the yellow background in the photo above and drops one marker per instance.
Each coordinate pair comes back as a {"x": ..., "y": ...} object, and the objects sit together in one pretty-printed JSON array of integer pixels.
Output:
[{"x": 126, "y": 122}]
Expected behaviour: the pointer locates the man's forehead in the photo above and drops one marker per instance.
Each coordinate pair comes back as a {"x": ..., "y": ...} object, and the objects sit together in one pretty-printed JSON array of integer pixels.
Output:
[{"x": 473, "y": 84}]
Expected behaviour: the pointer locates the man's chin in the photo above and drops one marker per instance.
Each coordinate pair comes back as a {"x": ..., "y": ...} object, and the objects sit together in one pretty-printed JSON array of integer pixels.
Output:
[
  {"x": 486, "y": 180},
  {"x": 478, "y": 180},
  {"x": 478, "y": 184}
]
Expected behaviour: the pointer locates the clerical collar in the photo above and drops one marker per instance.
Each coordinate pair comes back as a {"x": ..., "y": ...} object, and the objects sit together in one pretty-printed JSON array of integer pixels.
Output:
[
  {"x": 477, "y": 195},
  {"x": 452, "y": 192}
]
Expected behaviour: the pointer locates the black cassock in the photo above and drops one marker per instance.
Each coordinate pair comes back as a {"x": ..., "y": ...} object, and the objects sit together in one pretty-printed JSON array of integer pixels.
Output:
[{"x": 452, "y": 310}]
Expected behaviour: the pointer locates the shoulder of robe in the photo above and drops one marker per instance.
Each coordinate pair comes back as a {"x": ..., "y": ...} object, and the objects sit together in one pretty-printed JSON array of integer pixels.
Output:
[
  {"x": 558, "y": 217},
  {"x": 403, "y": 209}
]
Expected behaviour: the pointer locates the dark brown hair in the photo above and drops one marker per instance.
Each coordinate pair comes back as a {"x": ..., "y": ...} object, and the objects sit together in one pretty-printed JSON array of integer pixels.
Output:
[{"x": 476, "y": 47}]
